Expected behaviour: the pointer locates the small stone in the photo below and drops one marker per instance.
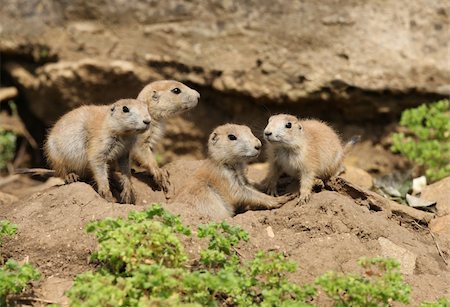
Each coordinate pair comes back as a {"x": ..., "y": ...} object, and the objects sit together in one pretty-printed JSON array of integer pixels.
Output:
[
  {"x": 406, "y": 258},
  {"x": 270, "y": 232},
  {"x": 358, "y": 177},
  {"x": 86, "y": 27},
  {"x": 418, "y": 184},
  {"x": 417, "y": 202},
  {"x": 440, "y": 193},
  {"x": 7, "y": 199},
  {"x": 440, "y": 225}
]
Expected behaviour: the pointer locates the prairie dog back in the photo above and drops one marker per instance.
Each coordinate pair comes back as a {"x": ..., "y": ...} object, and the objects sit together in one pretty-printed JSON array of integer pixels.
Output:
[{"x": 303, "y": 149}]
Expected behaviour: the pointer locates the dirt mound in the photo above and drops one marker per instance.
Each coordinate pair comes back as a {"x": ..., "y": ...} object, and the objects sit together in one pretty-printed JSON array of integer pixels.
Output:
[{"x": 329, "y": 233}]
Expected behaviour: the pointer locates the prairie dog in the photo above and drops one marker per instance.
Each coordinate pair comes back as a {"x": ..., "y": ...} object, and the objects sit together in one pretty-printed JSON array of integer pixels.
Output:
[
  {"x": 219, "y": 187},
  {"x": 165, "y": 99},
  {"x": 303, "y": 149},
  {"x": 87, "y": 140}
]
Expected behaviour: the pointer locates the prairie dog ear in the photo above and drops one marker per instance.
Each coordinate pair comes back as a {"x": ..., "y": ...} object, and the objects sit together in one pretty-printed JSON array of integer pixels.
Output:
[
  {"x": 155, "y": 96},
  {"x": 113, "y": 107},
  {"x": 214, "y": 138},
  {"x": 300, "y": 127}
]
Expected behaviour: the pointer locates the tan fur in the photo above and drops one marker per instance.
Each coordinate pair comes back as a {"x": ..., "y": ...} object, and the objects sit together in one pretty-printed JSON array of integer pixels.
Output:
[
  {"x": 87, "y": 140},
  {"x": 163, "y": 103},
  {"x": 219, "y": 188},
  {"x": 307, "y": 150}
]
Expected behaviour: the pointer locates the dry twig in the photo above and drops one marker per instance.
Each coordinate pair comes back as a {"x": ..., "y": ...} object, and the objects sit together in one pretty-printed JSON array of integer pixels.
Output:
[{"x": 435, "y": 242}]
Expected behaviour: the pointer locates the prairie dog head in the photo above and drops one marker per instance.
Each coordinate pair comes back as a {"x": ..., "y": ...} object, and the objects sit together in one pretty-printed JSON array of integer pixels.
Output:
[
  {"x": 129, "y": 116},
  {"x": 168, "y": 98},
  {"x": 284, "y": 130},
  {"x": 233, "y": 144}
]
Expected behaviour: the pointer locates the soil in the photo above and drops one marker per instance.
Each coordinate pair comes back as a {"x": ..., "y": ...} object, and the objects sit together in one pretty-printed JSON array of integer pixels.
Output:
[{"x": 329, "y": 233}]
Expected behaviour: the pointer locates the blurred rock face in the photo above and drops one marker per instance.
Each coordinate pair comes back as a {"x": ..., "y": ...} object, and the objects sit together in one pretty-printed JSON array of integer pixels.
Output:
[{"x": 352, "y": 60}]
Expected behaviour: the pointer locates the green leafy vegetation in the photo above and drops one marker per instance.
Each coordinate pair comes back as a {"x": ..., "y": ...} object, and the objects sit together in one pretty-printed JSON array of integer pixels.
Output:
[
  {"x": 7, "y": 147},
  {"x": 442, "y": 302},
  {"x": 14, "y": 277},
  {"x": 143, "y": 262},
  {"x": 7, "y": 229},
  {"x": 380, "y": 284},
  {"x": 427, "y": 140}
]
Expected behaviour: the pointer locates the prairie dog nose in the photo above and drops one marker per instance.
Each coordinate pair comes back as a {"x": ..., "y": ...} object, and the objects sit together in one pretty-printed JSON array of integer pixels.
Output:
[
  {"x": 267, "y": 133},
  {"x": 258, "y": 144},
  {"x": 146, "y": 121}
]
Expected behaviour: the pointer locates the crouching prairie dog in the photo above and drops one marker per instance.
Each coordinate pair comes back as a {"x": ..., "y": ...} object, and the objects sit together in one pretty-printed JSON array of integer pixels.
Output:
[
  {"x": 219, "y": 187},
  {"x": 303, "y": 149},
  {"x": 165, "y": 99},
  {"x": 88, "y": 140}
]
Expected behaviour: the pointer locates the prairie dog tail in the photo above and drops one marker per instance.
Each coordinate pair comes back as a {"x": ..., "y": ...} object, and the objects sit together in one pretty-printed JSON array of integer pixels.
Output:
[
  {"x": 36, "y": 171},
  {"x": 355, "y": 139}
]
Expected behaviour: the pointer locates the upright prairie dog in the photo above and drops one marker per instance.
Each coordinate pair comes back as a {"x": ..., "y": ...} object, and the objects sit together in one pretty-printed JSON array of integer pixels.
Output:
[
  {"x": 303, "y": 149},
  {"x": 86, "y": 141},
  {"x": 219, "y": 187},
  {"x": 165, "y": 99}
]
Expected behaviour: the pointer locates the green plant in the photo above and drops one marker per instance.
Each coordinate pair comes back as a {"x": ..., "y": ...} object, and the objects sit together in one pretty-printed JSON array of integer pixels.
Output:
[
  {"x": 7, "y": 147},
  {"x": 13, "y": 277},
  {"x": 222, "y": 239},
  {"x": 380, "y": 284},
  {"x": 144, "y": 263},
  {"x": 7, "y": 229},
  {"x": 124, "y": 244},
  {"x": 427, "y": 141},
  {"x": 442, "y": 302}
]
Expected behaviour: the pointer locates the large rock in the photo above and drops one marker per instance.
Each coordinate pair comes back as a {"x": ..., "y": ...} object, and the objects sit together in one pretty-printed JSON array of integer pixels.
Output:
[
  {"x": 272, "y": 51},
  {"x": 406, "y": 258},
  {"x": 56, "y": 88},
  {"x": 441, "y": 225},
  {"x": 440, "y": 193},
  {"x": 358, "y": 177}
]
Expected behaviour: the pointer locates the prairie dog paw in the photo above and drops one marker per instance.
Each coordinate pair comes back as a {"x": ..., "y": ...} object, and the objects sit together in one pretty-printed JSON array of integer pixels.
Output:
[
  {"x": 106, "y": 194},
  {"x": 128, "y": 196},
  {"x": 71, "y": 178},
  {"x": 272, "y": 190},
  {"x": 303, "y": 199}
]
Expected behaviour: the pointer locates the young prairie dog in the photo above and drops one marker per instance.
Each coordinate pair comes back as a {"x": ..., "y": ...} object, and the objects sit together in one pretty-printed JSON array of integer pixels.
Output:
[
  {"x": 219, "y": 187},
  {"x": 165, "y": 99},
  {"x": 303, "y": 149},
  {"x": 86, "y": 141}
]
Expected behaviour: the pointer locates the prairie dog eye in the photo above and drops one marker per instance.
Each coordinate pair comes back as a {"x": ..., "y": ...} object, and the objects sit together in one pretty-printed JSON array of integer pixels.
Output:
[
  {"x": 288, "y": 125},
  {"x": 232, "y": 137},
  {"x": 176, "y": 90},
  {"x": 125, "y": 109}
]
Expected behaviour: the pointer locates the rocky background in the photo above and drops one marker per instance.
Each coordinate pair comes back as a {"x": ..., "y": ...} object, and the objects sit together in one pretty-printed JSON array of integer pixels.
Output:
[{"x": 348, "y": 62}]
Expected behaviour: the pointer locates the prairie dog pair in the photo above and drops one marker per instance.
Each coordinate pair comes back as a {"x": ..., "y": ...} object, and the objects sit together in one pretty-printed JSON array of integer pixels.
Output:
[
  {"x": 88, "y": 140},
  {"x": 303, "y": 149},
  {"x": 219, "y": 187},
  {"x": 165, "y": 99}
]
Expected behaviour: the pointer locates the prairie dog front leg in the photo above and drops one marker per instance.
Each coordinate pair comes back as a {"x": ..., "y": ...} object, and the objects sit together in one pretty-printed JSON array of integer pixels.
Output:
[
  {"x": 99, "y": 168},
  {"x": 144, "y": 156},
  {"x": 306, "y": 185},
  {"x": 272, "y": 178},
  {"x": 254, "y": 200},
  {"x": 127, "y": 195}
]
